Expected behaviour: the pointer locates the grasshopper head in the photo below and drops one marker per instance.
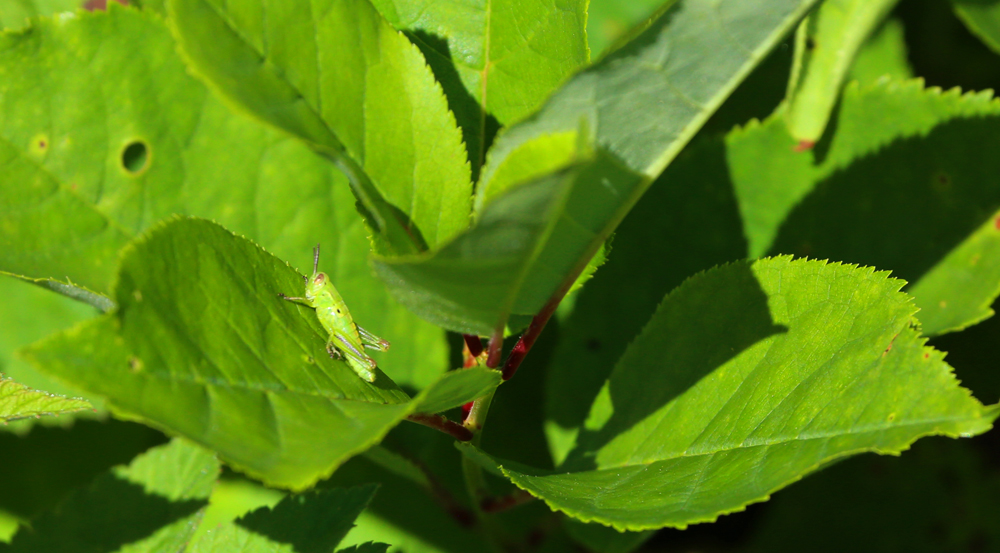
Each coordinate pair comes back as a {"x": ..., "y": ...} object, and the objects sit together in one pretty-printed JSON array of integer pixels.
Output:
[{"x": 315, "y": 285}]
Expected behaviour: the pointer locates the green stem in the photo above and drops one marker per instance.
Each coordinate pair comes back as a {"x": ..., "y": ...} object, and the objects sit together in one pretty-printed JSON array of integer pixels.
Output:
[{"x": 475, "y": 479}]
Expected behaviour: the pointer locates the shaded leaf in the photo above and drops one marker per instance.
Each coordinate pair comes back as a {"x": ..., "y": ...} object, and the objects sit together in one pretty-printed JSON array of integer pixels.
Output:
[
  {"x": 509, "y": 56},
  {"x": 654, "y": 250},
  {"x": 367, "y": 547},
  {"x": 314, "y": 522},
  {"x": 772, "y": 368},
  {"x": 982, "y": 17},
  {"x": 17, "y": 401},
  {"x": 638, "y": 128},
  {"x": 40, "y": 468},
  {"x": 151, "y": 505},
  {"x": 900, "y": 154},
  {"x": 336, "y": 75},
  {"x": 405, "y": 513},
  {"x": 938, "y": 497}
]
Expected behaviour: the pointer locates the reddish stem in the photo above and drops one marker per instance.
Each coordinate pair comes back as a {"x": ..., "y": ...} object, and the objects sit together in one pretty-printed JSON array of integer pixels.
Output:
[
  {"x": 495, "y": 349},
  {"x": 443, "y": 424},
  {"x": 474, "y": 344},
  {"x": 502, "y": 503},
  {"x": 527, "y": 339}
]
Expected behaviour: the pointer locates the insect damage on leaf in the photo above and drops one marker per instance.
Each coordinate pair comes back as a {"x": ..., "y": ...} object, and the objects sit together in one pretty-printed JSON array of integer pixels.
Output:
[{"x": 347, "y": 339}]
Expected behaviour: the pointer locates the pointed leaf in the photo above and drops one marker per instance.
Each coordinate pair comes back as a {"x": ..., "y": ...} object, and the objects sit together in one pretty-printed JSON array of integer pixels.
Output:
[
  {"x": 336, "y": 75},
  {"x": 509, "y": 55},
  {"x": 771, "y": 368},
  {"x": 681, "y": 75},
  {"x": 17, "y": 401},
  {"x": 982, "y": 18},
  {"x": 287, "y": 198},
  {"x": 458, "y": 387},
  {"x": 367, "y": 547},
  {"x": 152, "y": 505},
  {"x": 313, "y": 522},
  {"x": 473, "y": 284},
  {"x": 203, "y": 346},
  {"x": 931, "y": 158}
]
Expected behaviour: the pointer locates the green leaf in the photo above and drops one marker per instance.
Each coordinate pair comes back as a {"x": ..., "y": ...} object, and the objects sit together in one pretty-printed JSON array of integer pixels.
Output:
[
  {"x": 27, "y": 314},
  {"x": 203, "y": 346},
  {"x": 883, "y": 55},
  {"x": 982, "y": 18},
  {"x": 609, "y": 20},
  {"x": 772, "y": 368},
  {"x": 151, "y": 505},
  {"x": 509, "y": 56},
  {"x": 16, "y": 13},
  {"x": 825, "y": 46},
  {"x": 654, "y": 251},
  {"x": 288, "y": 199},
  {"x": 99, "y": 301},
  {"x": 900, "y": 154},
  {"x": 682, "y": 76},
  {"x": 336, "y": 75},
  {"x": 457, "y": 387},
  {"x": 313, "y": 522},
  {"x": 17, "y": 401},
  {"x": 474, "y": 283}
]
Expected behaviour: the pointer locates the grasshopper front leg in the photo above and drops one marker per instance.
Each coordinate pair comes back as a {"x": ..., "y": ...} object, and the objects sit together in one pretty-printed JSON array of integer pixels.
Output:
[{"x": 300, "y": 301}]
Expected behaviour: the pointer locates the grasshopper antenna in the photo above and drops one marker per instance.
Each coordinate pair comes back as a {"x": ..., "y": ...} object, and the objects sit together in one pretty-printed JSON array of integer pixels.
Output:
[{"x": 316, "y": 259}]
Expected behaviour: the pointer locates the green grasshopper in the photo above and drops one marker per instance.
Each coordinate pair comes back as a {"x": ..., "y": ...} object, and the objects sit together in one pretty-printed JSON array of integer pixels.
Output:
[{"x": 346, "y": 338}]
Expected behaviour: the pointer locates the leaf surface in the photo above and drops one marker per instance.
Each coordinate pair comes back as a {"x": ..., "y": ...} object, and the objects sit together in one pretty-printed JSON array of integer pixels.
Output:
[
  {"x": 771, "y": 368},
  {"x": 336, "y": 75},
  {"x": 18, "y": 401},
  {"x": 639, "y": 106}
]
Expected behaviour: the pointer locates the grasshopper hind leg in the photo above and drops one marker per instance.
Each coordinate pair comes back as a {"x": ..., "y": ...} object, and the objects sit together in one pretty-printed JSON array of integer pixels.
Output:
[{"x": 363, "y": 365}]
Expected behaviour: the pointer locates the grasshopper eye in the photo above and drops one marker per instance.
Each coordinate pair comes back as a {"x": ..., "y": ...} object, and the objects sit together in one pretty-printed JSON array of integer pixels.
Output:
[{"x": 319, "y": 279}]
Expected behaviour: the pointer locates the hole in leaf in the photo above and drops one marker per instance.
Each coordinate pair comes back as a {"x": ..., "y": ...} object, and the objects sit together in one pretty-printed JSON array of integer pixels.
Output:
[{"x": 134, "y": 157}]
